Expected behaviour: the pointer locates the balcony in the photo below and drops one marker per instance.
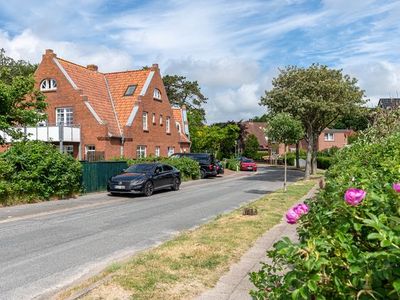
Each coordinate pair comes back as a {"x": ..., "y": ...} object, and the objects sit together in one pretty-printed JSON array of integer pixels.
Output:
[{"x": 49, "y": 133}]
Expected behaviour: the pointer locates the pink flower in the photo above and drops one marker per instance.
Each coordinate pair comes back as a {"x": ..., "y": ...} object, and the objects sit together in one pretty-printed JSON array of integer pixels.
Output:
[
  {"x": 354, "y": 196},
  {"x": 301, "y": 209},
  {"x": 396, "y": 187},
  {"x": 292, "y": 216}
]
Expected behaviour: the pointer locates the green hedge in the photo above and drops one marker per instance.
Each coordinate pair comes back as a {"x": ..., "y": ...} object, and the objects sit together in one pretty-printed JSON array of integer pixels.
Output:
[
  {"x": 324, "y": 162},
  {"x": 189, "y": 168},
  {"x": 345, "y": 251},
  {"x": 232, "y": 164},
  {"x": 32, "y": 171}
]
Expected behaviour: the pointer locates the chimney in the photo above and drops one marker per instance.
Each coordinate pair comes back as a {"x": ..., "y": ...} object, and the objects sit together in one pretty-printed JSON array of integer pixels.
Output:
[
  {"x": 92, "y": 67},
  {"x": 49, "y": 52},
  {"x": 154, "y": 67}
]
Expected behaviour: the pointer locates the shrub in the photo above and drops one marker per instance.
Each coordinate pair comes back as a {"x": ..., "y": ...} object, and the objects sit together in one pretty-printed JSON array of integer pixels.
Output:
[
  {"x": 189, "y": 168},
  {"x": 347, "y": 249},
  {"x": 232, "y": 164},
  {"x": 31, "y": 171},
  {"x": 323, "y": 162}
]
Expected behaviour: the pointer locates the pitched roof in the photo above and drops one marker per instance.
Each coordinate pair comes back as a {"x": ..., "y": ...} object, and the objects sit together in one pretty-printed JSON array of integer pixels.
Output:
[
  {"x": 389, "y": 103},
  {"x": 93, "y": 85},
  {"x": 177, "y": 115},
  {"x": 258, "y": 129},
  {"x": 118, "y": 82}
]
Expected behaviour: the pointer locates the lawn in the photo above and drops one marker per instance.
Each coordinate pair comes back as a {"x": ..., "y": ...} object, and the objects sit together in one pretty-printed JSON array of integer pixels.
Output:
[{"x": 194, "y": 260}]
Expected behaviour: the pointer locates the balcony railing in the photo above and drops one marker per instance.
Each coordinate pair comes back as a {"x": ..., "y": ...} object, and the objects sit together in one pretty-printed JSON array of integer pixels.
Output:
[{"x": 48, "y": 133}]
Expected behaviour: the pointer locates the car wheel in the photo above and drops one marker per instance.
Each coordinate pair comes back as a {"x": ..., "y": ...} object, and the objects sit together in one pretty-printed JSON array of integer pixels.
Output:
[
  {"x": 113, "y": 194},
  {"x": 148, "y": 189},
  {"x": 202, "y": 174},
  {"x": 176, "y": 184}
]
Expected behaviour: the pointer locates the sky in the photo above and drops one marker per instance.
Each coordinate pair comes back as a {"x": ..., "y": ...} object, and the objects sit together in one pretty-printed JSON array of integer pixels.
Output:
[{"x": 232, "y": 48}]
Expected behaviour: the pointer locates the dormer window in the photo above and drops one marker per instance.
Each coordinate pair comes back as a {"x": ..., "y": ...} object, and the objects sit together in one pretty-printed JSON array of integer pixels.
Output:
[
  {"x": 48, "y": 85},
  {"x": 130, "y": 90},
  {"x": 157, "y": 94}
]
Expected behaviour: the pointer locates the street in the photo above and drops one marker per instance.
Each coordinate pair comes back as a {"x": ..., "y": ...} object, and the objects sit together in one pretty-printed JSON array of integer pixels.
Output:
[{"x": 50, "y": 245}]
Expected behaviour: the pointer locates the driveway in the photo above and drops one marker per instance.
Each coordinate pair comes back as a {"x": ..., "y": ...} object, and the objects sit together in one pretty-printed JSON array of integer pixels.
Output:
[{"x": 47, "y": 246}]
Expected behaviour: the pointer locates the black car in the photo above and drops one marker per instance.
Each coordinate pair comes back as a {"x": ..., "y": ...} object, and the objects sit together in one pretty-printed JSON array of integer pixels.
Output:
[
  {"x": 206, "y": 161},
  {"x": 145, "y": 178}
]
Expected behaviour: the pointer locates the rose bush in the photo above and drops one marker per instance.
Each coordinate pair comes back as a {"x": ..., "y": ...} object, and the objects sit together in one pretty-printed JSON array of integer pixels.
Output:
[{"x": 349, "y": 241}]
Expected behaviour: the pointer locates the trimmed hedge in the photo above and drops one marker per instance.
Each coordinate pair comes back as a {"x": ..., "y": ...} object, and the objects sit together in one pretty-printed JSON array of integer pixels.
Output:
[
  {"x": 31, "y": 171},
  {"x": 232, "y": 164},
  {"x": 189, "y": 168}
]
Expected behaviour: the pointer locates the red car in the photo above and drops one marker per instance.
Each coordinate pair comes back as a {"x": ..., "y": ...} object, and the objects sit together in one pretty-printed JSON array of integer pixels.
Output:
[{"x": 247, "y": 164}]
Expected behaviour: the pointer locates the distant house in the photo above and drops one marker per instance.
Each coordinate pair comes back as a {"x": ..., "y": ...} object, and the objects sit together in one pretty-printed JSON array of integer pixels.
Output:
[
  {"x": 257, "y": 129},
  {"x": 389, "y": 103},
  {"x": 95, "y": 115}
]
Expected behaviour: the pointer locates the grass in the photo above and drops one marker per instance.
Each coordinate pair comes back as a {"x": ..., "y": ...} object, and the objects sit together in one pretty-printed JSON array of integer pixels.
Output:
[{"x": 194, "y": 260}]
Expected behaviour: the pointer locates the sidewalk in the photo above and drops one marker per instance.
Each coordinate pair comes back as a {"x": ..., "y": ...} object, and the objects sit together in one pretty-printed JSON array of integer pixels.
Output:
[{"x": 235, "y": 285}]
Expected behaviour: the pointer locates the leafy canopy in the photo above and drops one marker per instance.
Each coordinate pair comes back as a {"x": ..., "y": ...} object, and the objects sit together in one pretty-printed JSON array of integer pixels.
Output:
[
  {"x": 20, "y": 103},
  {"x": 283, "y": 128},
  {"x": 251, "y": 146}
]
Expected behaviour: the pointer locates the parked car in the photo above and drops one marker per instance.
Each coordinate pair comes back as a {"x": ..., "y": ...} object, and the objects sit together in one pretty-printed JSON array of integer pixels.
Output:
[
  {"x": 205, "y": 160},
  {"x": 247, "y": 164},
  {"x": 220, "y": 167},
  {"x": 145, "y": 178}
]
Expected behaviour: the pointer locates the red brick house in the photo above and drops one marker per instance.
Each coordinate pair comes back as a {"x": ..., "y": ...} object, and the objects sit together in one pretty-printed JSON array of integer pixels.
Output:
[{"x": 108, "y": 115}]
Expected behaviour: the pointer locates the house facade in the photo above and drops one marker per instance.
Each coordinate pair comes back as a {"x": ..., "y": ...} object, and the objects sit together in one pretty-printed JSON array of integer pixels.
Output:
[
  {"x": 94, "y": 115},
  {"x": 389, "y": 103}
]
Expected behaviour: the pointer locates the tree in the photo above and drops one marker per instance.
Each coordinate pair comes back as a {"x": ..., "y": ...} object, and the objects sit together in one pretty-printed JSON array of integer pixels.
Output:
[
  {"x": 182, "y": 92},
  {"x": 316, "y": 96},
  {"x": 20, "y": 103},
  {"x": 283, "y": 128},
  {"x": 251, "y": 146},
  {"x": 355, "y": 120}
]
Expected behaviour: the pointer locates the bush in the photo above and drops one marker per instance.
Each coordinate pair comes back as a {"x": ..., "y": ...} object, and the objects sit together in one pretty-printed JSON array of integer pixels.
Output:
[
  {"x": 323, "y": 162},
  {"x": 31, "y": 171},
  {"x": 189, "y": 168},
  {"x": 232, "y": 164},
  {"x": 345, "y": 252}
]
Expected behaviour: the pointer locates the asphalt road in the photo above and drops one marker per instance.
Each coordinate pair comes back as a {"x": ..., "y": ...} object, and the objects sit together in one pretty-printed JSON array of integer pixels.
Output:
[{"x": 46, "y": 246}]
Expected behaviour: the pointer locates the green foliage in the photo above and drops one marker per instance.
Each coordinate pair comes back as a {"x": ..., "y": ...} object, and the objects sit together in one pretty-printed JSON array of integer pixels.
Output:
[
  {"x": 189, "y": 168},
  {"x": 357, "y": 120},
  {"x": 32, "y": 171},
  {"x": 317, "y": 96},
  {"x": 251, "y": 146},
  {"x": 345, "y": 252},
  {"x": 324, "y": 162},
  {"x": 232, "y": 164},
  {"x": 283, "y": 128},
  {"x": 20, "y": 103}
]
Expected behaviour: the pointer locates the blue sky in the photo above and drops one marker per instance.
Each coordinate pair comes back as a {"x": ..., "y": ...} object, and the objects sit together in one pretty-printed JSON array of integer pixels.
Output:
[{"x": 232, "y": 48}]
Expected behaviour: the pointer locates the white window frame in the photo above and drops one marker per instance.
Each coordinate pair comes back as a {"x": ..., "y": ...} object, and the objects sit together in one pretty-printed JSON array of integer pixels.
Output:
[
  {"x": 48, "y": 84},
  {"x": 329, "y": 137},
  {"x": 153, "y": 118},
  {"x": 157, "y": 151},
  {"x": 141, "y": 151},
  {"x": 144, "y": 121},
  {"x": 161, "y": 120},
  {"x": 171, "y": 150},
  {"x": 157, "y": 94},
  {"x": 168, "y": 124},
  {"x": 66, "y": 114}
]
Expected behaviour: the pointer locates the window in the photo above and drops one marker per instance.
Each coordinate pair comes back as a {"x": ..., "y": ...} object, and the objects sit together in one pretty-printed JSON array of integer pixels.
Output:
[
  {"x": 161, "y": 120},
  {"x": 167, "y": 124},
  {"x": 178, "y": 126},
  {"x": 48, "y": 85},
  {"x": 153, "y": 119},
  {"x": 157, "y": 94},
  {"x": 329, "y": 137},
  {"x": 90, "y": 152},
  {"x": 171, "y": 150},
  {"x": 145, "y": 127},
  {"x": 65, "y": 116},
  {"x": 157, "y": 152},
  {"x": 67, "y": 149},
  {"x": 167, "y": 168},
  {"x": 130, "y": 90},
  {"x": 141, "y": 152}
]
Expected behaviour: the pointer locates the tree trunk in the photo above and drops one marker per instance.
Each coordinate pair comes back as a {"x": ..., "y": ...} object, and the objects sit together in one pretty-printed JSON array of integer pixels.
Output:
[
  {"x": 310, "y": 147},
  {"x": 314, "y": 155},
  {"x": 298, "y": 155},
  {"x": 285, "y": 176}
]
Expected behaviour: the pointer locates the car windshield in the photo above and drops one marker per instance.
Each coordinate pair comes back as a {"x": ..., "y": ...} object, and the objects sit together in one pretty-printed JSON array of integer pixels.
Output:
[
  {"x": 247, "y": 160},
  {"x": 140, "y": 168}
]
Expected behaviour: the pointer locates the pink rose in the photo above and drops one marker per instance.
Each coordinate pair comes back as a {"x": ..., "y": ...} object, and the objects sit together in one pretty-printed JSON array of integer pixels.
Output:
[
  {"x": 292, "y": 216},
  {"x": 396, "y": 187},
  {"x": 354, "y": 196},
  {"x": 301, "y": 209}
]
